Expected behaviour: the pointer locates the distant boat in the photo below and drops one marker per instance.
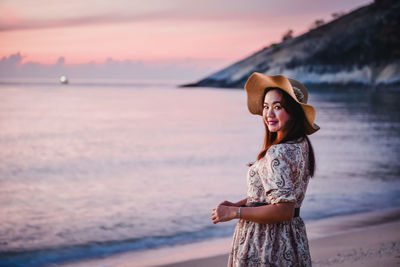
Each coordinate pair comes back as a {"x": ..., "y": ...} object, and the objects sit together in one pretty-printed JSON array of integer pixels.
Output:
[{"x": 63, "y": 80}]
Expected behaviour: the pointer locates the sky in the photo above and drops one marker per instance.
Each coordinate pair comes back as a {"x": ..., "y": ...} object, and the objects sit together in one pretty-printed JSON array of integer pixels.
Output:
[{"x": 152, "y": 38}]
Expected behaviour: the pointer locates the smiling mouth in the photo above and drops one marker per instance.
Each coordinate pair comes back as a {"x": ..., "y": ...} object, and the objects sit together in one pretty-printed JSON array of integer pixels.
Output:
[{"x": 272, "y": 122}]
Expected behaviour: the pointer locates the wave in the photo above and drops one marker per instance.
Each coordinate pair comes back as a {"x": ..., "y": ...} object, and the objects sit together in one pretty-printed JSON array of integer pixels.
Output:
[{"x": 91, "y": 250}]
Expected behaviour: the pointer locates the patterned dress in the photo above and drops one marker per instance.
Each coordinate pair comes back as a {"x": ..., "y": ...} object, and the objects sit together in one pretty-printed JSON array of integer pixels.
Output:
[{"x": 282, "y": 175}]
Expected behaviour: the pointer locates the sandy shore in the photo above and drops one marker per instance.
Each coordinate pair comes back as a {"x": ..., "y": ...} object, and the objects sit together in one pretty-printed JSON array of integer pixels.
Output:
[
  {"x": 363, "y": 239},
  {"x": 366, "y": 239}
]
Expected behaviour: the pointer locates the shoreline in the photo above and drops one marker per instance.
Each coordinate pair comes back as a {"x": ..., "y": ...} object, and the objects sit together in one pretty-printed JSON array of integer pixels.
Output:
[
  {"x": 377, "y": 245},
  {"x": 362, "y": 239}
]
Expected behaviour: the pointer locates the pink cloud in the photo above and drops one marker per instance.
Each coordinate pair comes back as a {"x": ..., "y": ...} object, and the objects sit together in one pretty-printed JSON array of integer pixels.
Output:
[{"x": 170, "y": 30}]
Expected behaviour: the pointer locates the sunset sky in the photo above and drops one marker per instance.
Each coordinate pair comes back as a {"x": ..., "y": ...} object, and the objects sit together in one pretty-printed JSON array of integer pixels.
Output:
[{"x": 210, "y": 33}]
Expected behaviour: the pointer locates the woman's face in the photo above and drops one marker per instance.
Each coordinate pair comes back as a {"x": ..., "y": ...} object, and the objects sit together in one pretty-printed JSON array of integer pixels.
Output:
[{"x": 275, "y": 116}]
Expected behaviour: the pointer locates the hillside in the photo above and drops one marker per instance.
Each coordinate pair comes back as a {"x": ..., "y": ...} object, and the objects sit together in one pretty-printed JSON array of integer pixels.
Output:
[{"x": 361, "y": 47}]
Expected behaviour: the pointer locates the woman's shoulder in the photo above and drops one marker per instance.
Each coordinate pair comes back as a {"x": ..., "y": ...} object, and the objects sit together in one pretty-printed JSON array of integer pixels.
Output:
[{"x": 282, "y": 149}]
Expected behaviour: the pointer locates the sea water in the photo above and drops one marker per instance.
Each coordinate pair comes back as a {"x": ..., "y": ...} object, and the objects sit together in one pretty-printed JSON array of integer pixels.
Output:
[{"x": 89, "y": 170}]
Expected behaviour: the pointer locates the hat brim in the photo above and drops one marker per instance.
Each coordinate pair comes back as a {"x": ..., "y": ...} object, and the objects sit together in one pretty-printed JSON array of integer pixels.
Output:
[{"x": 255, "y": 88}]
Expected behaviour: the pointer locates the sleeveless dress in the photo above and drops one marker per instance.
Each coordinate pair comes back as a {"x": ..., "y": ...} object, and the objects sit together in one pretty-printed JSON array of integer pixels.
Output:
[{"x": 282, "y": 175}]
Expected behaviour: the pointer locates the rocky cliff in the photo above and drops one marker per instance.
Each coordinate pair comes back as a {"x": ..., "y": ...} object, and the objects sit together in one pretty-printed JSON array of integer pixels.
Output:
[{"x": 361, "y": 47}]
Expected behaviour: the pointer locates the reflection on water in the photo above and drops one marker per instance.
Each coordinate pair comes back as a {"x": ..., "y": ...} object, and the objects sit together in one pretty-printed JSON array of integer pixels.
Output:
[
  {"x": 362, "y": 133},
  {"x": 357, "y": 153},
  {"x": 87, "y": 171}
]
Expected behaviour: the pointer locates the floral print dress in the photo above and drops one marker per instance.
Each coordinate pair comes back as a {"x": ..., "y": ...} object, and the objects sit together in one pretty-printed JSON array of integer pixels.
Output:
[{"x": 282, "y": 175}]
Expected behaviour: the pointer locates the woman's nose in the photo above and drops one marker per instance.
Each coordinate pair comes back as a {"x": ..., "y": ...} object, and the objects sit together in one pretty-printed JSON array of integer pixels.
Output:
[{"x": 270, "y": 112}]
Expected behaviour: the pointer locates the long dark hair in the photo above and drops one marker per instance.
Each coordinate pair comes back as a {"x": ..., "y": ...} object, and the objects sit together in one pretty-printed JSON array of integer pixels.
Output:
[{"x": 296, "y": 128}]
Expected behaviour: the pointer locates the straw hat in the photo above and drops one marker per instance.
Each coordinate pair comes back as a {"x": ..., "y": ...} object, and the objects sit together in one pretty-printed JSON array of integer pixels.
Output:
[{"x": 255, "y": 88}]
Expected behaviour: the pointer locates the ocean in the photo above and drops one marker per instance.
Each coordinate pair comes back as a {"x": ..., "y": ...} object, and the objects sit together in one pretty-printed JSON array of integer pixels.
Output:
[{"x": 93, "y": 169}]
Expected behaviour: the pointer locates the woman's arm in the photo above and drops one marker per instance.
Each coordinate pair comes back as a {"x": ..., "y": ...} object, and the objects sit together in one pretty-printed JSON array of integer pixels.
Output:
[{"x": 265, "y": 214}]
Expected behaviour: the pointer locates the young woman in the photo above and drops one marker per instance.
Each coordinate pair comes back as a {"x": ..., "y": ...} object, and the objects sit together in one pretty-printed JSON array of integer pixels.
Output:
[{"x": 269, "y": 231}]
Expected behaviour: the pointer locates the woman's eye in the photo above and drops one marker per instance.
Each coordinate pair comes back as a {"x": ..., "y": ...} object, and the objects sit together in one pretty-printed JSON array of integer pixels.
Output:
[
  {"x": 277, "y": 107},
  {"x": 266, "y": 107}
]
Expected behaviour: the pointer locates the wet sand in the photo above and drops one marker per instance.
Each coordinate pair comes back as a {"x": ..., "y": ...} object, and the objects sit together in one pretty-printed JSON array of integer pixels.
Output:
[
  {"x": 365, "y": 239},
  {"x": 362, "y": 239}
]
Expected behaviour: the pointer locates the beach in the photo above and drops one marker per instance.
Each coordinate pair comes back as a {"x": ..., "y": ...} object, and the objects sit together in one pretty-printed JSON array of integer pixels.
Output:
[
  {"x": 365, "y": 239},
  {"x": 362, "y": 239},
  {"x": 119, "y": 176}
]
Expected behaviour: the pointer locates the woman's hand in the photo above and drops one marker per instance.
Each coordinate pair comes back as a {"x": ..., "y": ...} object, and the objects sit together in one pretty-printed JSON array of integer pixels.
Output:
[
  {"x": 223, "y": 213},
  {"x": 237, "y": 204},
  {"x": 227, "y": 203}
]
